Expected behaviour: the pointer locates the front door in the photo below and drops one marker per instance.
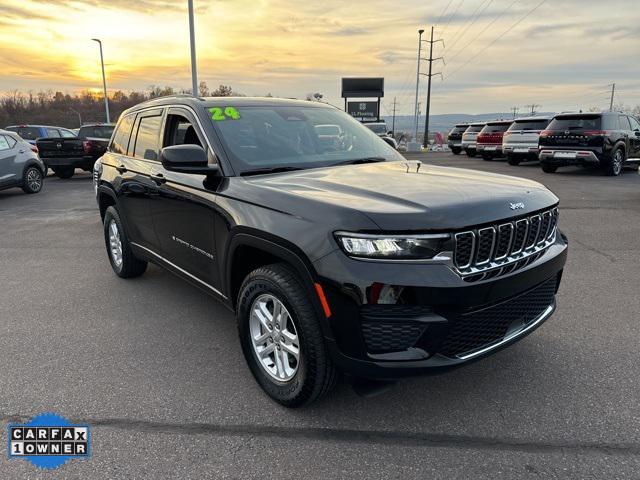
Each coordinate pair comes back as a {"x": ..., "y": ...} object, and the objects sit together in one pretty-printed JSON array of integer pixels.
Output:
[
  {"x": 634, "y": 138},
  {"x": 9, "y": 171},
  {"x": 184, "y": 212}
]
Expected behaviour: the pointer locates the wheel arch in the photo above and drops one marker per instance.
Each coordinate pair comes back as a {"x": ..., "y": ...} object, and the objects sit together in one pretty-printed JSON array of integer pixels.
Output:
[{"x": 106, "y": 198}]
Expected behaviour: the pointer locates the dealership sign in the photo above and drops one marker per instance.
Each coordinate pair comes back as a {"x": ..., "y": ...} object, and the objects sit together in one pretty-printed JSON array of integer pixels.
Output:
[{"x": 363, "y": 110}]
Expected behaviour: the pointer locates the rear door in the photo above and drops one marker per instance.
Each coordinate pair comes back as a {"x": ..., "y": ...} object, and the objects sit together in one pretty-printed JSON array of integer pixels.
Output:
[
  {"x": 184, "y": 212},
  {"x": 134, "y": 158},
  {"x": 634, "y": 138},
  {"x": 9, "y": 173}
]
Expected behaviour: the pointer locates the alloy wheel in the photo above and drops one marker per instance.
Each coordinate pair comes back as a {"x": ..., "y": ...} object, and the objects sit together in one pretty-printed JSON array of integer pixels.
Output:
[
  {"x": 115, "y": 244},
  {"x": 34, "y": 180},
  {"x": 274, "y": 338},
  {"x": 617, "y": 162}
]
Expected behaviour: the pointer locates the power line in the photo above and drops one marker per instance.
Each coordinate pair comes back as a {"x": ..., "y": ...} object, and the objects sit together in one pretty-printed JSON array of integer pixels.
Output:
[
  {"x": 444, "y": 12},
  {"x": 498, "y": 38},
  {"x": 469, "y": 23},
  {"x": 446, "y": 25}
]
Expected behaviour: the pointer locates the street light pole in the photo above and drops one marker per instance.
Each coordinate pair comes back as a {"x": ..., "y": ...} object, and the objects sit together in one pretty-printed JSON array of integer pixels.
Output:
[
  {"x": 415, "y": 112},
  {"x": 104, "y": 81},
  {"x": 192, "y": 38}
]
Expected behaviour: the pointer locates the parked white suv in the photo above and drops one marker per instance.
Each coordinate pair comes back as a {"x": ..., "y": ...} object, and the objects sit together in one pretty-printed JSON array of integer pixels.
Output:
[
  {"x": 469, "y": 138},
  {"x": 520, "y": 141}
]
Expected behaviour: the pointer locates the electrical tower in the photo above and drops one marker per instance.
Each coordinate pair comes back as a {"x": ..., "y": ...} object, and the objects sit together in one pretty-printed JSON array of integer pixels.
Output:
[{"x": 431, "y": 41}]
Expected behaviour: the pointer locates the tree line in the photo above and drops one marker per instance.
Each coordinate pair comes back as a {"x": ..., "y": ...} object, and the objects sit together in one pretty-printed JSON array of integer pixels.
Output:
[{"x": 71, "y": 111}]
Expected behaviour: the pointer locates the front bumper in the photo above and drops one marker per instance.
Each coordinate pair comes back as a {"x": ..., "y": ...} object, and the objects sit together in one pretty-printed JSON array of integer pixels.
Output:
[
  {"x": 85, "y": 162},
  {"x": 443, "y": 323}
]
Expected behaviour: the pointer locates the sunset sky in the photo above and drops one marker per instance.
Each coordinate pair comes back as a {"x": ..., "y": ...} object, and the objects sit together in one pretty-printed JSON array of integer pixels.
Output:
[{"x": 500, "y": 53}]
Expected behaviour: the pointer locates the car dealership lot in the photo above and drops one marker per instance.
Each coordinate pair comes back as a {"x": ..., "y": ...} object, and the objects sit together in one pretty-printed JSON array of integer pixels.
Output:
[{"x": 155, "y": 366}]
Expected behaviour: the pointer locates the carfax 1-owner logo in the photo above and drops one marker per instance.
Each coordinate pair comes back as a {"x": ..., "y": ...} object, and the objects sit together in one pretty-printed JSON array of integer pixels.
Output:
[{"x": 48, "y": 441}]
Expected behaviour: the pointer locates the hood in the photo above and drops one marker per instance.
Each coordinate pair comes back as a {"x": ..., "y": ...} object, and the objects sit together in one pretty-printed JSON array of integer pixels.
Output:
[{"x": 407, "y": 195}]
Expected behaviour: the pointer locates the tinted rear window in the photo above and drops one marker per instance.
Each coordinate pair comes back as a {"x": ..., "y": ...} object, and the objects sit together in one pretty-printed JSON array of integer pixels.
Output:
[
  {"x": 591, "y": 122},
  {"x": 102, "y": 131},
  {"x": 28, "y": 133},
  {"x": 473, "y": 128},
  {"x": 459, "y": 128},
  {"x": 501, "y": 127},
  {"x": 529, "y": 125}
]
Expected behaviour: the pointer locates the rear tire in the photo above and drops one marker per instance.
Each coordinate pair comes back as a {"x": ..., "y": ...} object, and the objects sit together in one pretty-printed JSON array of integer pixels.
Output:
[
  {"x": 32, "y": 180},
  {"x": 64, "y": 172},
  {"x": 513, "y": 160},
  {"x": 546, "y": 168},
  {"x": 487, "y": 157},
  {"x": 124, "y": 263},
  {"x": 455, "y": 151},
  {"x": 471, "y": 153},
  {"x": 614, "y": 167},
  {"x": 289, "y": 380}
]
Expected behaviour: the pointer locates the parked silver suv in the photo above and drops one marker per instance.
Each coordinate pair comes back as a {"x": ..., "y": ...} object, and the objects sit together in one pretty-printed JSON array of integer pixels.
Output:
[
  {"x": 469, "y": 138},
  {"x": 19, "y": 164},
  {"x": 520, "y": 141}
]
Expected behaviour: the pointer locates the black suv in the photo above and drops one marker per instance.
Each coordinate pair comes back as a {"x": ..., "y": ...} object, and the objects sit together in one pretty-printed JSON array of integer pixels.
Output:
[
  {"x": 334, "y": 256},
  {"x": 454, "y": 139},
  {"x": 608, "y": 140}
]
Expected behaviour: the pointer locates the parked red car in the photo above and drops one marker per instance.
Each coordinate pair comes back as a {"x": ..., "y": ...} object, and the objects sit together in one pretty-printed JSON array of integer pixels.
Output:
[{"x": 489, "y": 142}]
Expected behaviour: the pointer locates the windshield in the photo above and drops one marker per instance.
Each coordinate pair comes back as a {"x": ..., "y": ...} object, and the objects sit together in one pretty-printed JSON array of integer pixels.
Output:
[
  {"x": 591, "y": 122},
  {"x": 264, "y": 137},
  {"x": 529, "y": 125},
  {"x": 28, "y": 133},
  {"x": 101, "y": 131},
  {"x": 376, "y": 127}
]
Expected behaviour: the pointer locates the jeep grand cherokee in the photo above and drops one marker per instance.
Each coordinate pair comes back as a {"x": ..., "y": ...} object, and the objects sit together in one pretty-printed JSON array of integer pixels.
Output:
[{"x": 334, "y": 256}]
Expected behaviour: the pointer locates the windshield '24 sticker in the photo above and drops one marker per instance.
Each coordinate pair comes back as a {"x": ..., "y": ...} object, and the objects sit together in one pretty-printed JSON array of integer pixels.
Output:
[{"x": 227, "y": 113}]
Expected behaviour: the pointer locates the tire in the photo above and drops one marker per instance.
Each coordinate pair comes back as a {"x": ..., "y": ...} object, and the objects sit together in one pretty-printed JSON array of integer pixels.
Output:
[
  {"x": 614, "y": 167},
  {"x": 32, "y": 180},
  {"x": 471, "y": 153},
  {"x": 305, "y": 378},
  {"x": 487, "y": 157},
  {"x": 64, "y": 172},
  {"x": 546, "y": 168},
  {"x": 513, "y": 160},
  {"x": 124, "y": 263},
  {"x": 455, "y": 151}
]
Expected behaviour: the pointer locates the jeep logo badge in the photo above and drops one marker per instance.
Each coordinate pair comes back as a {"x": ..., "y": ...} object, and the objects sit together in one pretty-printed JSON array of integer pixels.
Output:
[
  {"x": 516, "y": 206},
  {"x": 59, "y": 145}
]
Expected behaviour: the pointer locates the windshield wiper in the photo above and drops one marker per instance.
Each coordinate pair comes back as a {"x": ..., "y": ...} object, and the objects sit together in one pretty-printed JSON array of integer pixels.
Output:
[
  {"x": 360, "y": 161},
  {"x": 262, "y": 171}
]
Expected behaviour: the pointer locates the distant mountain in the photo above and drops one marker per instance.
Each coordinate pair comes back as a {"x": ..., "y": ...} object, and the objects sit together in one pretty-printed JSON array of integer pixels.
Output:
[{"x": 444, "y": 123}]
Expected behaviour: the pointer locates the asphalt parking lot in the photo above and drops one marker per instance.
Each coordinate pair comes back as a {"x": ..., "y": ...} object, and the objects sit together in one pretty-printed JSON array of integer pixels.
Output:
[{"x": 155, "y": 366}]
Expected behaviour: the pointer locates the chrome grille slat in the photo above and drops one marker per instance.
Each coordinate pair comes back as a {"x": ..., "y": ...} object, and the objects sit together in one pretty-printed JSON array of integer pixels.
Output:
[{"x": 490, "y": 252}]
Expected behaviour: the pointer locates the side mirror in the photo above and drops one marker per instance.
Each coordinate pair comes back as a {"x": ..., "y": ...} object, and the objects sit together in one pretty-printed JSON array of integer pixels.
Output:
[
  {"x": 637, "y": 133},
  {"x": 187, "y": 159}
]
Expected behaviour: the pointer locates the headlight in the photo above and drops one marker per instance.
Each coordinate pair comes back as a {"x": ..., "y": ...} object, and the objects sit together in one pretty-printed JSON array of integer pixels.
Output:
[{"x": 393, "y": 247}]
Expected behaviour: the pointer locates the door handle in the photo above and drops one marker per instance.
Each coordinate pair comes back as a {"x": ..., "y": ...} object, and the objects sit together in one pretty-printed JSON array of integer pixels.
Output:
[
  {"x": 121, "y": 168},
  {"x": 158, "y": 178},
  {"x": 21, "y": 150}
]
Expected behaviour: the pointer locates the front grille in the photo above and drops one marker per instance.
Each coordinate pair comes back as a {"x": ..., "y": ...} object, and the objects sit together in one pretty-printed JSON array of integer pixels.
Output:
[
  {"x": 503, "y": 247},
  {"x": 476, "y": 330}
]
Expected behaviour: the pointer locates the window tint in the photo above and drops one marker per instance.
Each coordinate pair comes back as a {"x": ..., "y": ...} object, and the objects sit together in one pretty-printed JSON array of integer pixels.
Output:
[
  {"x": 4, "y": 143},
  {"x": 528, "y": 125},
  {"x": 496, "y": 128},
  {"x": 120, "y": 140},
  {"x": 99, "y": 131},
  {"x": 28, "y": 133},
  {"x": 591, "y": 122},
  {"x": 635, "y": 125},
  {"x": 147, "y": 138},
  {"x": 180, "y": 131},
  {"x": 12, "y": 141},
  {"x": 53, "y": 133},
  {"x": 474, "y": 129},
  {"x": 624, "y": 123},
  {"x": 67, "y": 134}
]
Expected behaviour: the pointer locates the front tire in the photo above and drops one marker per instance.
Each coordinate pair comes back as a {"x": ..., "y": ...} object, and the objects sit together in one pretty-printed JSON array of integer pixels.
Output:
[
  {"x": 64, "y": 172},
  {"x": 281, "y": 337},
  {"x": 546, "y": 168},
  {"x": 124, "y": 263},
  {"x": 614, "y": 167},
  {"x": 32, "y": 180}
]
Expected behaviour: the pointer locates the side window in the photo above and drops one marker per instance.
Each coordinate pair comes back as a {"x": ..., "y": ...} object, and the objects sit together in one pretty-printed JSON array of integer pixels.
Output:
[
  {"x": 147, "y": 138},
  {"x": 67, "y": 134},
  {"x": 53, "y": 133},
  {"x": 120, "y": 141},
  {"x": 635, "y": 125},
  {"x": 4, "y": 143},
  {"x": 12, "y": 141},
  {"x": 624, "y": 123},
  {"x": 180, "y": 131}
]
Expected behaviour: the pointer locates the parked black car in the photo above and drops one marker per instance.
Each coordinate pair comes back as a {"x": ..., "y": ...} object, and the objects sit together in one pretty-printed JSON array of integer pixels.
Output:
[
  {"x": 607, "y": 139},
  {"x": 454, "y": 139},
  {"x": 64, "y": 155},
  {"x": 353, "y": 260}
]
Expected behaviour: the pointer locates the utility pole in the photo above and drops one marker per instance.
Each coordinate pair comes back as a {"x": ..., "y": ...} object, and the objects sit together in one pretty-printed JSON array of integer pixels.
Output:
[
  {"x": 515, "y": 111},
  {"x": 425, "y": 141},
  {"x": 533, "y": 106},
  {"x": 613, "y": 93},
  {"x": 393, "y": 122},
  {"x": 415, "y": 112},
  {"x": 192, "y": 39}
]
